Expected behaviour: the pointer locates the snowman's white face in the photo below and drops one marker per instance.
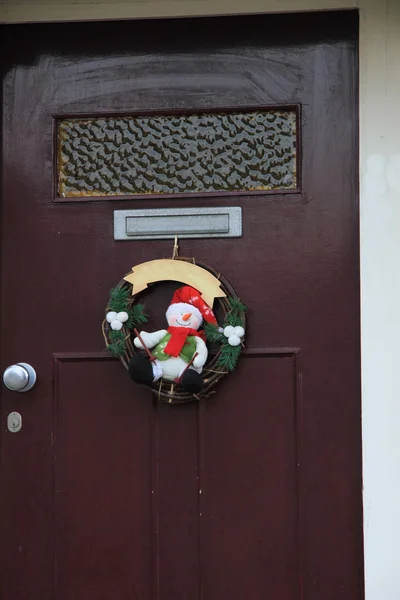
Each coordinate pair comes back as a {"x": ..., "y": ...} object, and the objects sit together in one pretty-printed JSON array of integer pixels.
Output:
[{"x": 183, "y": 318}]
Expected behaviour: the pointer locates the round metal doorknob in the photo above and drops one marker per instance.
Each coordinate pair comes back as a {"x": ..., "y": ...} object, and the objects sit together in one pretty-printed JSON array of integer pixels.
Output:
[{"x": 20, "y": 377}]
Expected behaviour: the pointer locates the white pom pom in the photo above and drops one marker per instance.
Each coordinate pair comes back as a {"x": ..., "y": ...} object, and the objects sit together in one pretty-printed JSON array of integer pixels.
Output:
[
  {"x": 116, "y": 325},
  {"x": 122, "y": 316},
  {"x": 228, "y": 331},
  {"x": 234, "y": 340},
  {"x": 111, "y": 316},
  {"x": 221, "y": 329},
  {"x": 239, "y": 331}
]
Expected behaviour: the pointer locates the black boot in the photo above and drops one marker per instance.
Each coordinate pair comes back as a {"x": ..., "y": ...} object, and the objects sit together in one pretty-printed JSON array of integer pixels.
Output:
[
  {"x": 140, "y": 370},
  {"x": 192, "y": 382}
]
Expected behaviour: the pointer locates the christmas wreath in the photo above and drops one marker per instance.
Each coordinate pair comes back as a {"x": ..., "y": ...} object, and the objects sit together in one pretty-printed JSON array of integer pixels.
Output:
[{"x": 186, "y": 360}]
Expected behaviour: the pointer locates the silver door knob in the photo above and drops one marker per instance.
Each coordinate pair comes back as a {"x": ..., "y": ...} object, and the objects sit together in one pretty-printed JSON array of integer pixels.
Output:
[{"x": 20, "y": 377}]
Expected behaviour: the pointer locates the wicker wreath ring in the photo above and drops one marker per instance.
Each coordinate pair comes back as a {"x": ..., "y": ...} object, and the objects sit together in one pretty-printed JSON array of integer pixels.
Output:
[{"x": 213, "y": 373}]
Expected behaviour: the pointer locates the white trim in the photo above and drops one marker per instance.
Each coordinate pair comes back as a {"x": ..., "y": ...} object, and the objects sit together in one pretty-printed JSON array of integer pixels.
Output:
[
  {"x": 380, "y": 292},
  {"x": 379, "y": 235},
  {"x": 20, "y": 11}
]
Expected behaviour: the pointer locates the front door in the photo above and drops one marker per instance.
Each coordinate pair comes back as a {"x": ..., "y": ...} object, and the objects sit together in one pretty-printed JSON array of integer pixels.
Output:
[{"x": 108, "y": 493}]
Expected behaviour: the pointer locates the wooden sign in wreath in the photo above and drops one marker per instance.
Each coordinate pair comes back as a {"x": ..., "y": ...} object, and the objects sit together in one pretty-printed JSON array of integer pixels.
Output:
[{"x": 175, "y": 362}]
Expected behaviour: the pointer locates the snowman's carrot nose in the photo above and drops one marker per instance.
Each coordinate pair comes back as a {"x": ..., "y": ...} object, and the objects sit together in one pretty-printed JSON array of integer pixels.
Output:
[{"x": 186, "y": 316}]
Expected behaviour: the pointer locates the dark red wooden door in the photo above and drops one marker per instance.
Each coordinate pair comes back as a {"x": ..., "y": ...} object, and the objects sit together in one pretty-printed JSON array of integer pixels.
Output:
[{"x": 107, "y": 493}]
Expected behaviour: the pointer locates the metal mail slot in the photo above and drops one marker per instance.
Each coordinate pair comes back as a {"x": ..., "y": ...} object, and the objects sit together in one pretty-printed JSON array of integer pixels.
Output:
[{"x": 161, "y": 224}]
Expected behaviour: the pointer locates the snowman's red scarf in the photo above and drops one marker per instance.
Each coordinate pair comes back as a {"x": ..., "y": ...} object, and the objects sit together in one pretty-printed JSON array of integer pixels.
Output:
[{"x": 178, "y": 339}]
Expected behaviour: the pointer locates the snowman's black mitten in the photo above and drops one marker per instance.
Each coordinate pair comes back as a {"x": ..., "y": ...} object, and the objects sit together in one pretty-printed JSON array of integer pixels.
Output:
[
  {"x": 140, "y": 370},
  {"x": 192, "y": 382}
]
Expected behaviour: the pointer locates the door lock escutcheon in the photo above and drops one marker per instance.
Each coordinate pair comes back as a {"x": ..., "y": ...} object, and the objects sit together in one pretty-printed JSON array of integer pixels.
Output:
[{"x": 14, "y": 422}]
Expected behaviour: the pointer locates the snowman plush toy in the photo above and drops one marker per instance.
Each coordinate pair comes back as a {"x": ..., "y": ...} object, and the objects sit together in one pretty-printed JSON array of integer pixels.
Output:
[{"x": 173, "y": 349}]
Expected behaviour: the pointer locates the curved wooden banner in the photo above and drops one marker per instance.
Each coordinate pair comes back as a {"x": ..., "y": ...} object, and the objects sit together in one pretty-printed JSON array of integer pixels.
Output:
[{"x": 167, "y": 269}]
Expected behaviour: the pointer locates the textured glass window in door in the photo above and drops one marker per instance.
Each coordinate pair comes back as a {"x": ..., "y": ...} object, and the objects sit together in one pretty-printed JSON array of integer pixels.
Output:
[{"x": 177, "y": 154}]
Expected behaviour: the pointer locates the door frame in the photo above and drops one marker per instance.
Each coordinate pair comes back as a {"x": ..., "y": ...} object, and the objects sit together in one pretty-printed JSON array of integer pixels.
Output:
[{"x": 379, "y": 181}]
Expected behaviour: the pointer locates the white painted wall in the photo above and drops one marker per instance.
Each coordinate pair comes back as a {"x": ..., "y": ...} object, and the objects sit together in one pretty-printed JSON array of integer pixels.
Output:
[
  {"x": 380, "y": 235},
  {"x": 64, "y": 10},
  {"x": 380, "y": 293}
]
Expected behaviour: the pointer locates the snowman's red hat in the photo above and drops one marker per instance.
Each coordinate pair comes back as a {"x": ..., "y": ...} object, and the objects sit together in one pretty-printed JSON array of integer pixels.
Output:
[{"x": 188, "y": 299}]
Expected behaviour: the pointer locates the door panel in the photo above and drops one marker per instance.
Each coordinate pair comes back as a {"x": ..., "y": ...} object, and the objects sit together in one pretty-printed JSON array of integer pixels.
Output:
[
  {"x": 107, "y": 492},
  {"x": 100, "y": 446},
  {"x": 256, "y": 505}
]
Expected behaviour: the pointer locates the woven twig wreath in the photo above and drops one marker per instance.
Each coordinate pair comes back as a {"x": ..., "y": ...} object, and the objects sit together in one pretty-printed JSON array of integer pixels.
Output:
[{"x": 120, "y": 342}]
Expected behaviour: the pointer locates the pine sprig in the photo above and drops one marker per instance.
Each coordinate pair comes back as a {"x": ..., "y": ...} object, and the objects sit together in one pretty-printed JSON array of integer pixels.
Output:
[
  {"x": 117, "y": 349},
  {"x": 137, "y": 316},
  {"x": 237, "y": 305},
  {"x": 116, "y": 336},
  {"x": 212, "y": 333},
  {"x": 119, "y": 298},
  {"x": 119, "y": 301},
  {"x": 235, "y": 316},
  {"x": 228, "y": 357},
  {"x": 117, "y": 342}
]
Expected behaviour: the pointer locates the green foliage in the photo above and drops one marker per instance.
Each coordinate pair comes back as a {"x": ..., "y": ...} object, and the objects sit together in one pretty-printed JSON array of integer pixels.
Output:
[
  {"x": 233, "y": 319},
  {"x": 116, "y": 336},
  {"x": 117, "y": 349},
  {"x": 228, "y": 357},
  {"x": 235, "y": 316},
  {"x": 119, "y": 298},
  {"x": 237, "y": 305},
  {"x": 118, "y": 302},
  {"x": 117, "y": 342},
  {"x": 137, "y": 316},
  {"x": 212, "y": 333}
]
